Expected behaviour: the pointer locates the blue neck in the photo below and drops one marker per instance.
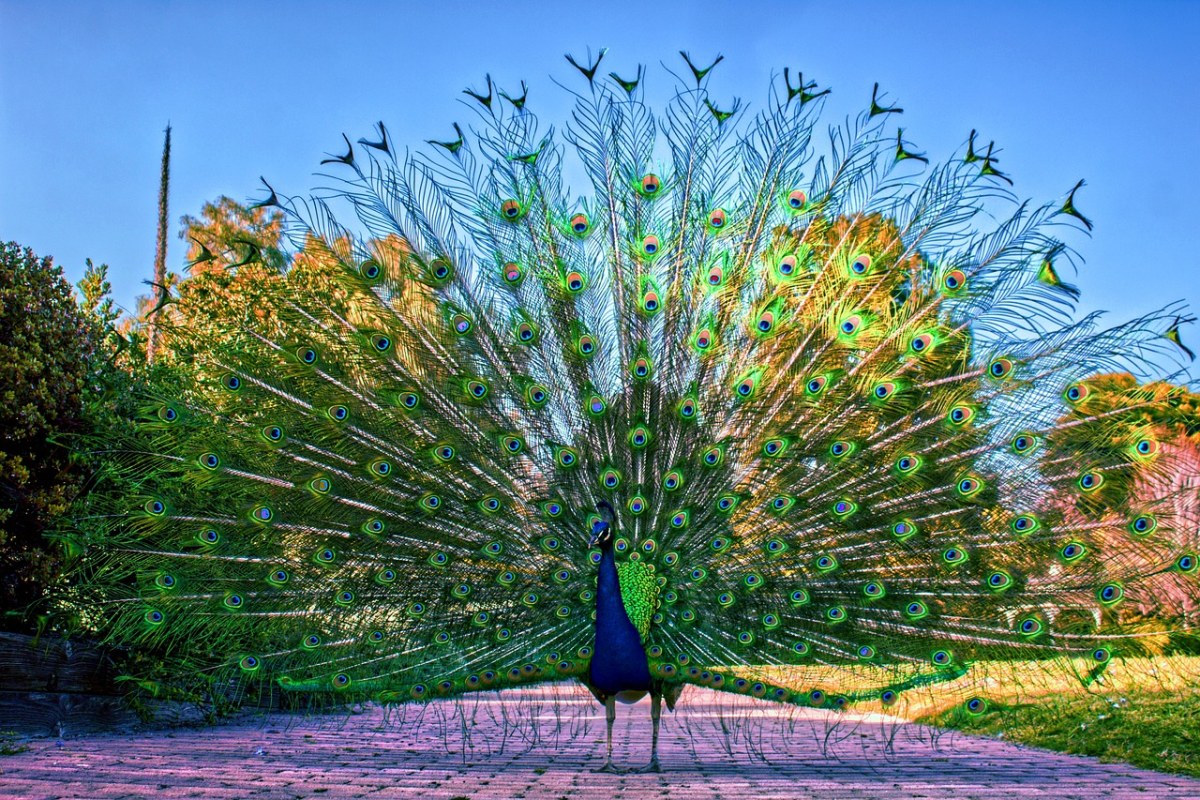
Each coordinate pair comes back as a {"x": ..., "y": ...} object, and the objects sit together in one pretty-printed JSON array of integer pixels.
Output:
[
  {"x": 619, "y": 662},
  {"x": 610, "y": 609}
]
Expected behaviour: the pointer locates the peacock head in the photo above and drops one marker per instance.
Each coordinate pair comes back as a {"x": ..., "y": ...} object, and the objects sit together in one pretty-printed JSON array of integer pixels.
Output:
[
  {"x": 602, "y": 529},
  {"x": 602, "y": 535}
]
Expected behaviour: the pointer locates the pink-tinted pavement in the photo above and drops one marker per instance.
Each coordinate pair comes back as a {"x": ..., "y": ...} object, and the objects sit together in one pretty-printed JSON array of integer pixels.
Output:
[{"x": 544, "y": 744}]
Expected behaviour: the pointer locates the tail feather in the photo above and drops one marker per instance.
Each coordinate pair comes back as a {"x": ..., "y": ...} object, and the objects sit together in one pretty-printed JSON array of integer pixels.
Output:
[{"x": 844, "y": 421}]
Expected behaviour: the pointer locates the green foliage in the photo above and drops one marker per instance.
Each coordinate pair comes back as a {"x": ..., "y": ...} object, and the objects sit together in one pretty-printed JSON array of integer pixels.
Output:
[
  {"x": 47, "y": 343},
  {"x": 11, "y": 744},
  {"x": 1151, "y": 729}
]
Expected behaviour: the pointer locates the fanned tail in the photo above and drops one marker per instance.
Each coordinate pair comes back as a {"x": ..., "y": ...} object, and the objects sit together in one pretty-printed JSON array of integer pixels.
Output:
[{"x": 845, "y": 422}]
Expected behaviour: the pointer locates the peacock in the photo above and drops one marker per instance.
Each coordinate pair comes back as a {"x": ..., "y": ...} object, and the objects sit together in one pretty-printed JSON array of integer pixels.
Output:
[{"x": 760, "y": 404}]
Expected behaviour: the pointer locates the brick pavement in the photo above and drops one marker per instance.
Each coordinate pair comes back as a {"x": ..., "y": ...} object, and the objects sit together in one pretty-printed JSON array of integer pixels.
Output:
[{"x": 543, "y": 744}]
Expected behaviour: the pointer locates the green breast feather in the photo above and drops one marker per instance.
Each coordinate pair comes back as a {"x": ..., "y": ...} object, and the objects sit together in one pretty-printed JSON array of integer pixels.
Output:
[{"x": 639, "y": 593}]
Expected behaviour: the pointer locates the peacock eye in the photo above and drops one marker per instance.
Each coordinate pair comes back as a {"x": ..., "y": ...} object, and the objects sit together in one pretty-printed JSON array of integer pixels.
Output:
[
  {"x": 1076, "y": 393},
  {"x": 650, "y": 185},
  {"x": 1000, "y": 368},
  {"x": 954, "y": 281},
  {"x": 512, "y": 273},
  {"x": 370, "y": 269},
  {"x": 797, "y": 199}
]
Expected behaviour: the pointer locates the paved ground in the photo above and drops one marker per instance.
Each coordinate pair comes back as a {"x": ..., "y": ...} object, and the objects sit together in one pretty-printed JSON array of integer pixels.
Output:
[{"x": 543, "y": 744}]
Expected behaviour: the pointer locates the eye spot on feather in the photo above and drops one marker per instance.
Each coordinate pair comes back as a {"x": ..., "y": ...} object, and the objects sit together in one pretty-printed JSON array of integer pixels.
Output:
[
  {"x": 370, "y": 270},
  {"x": 999, "y": 581},
  {"x": 512, "y": 273},
  {"x": 1143, "y": 524},
  {"x": 1146, "y": 448},
  {"x": 1030, "y": 626},
  {"x": 1073, "y": 551},
  {"x": 850, "y": 325},
  {"x": 954, "y": 556},
  {"x": 954, "y": 281},
  {"x": 1000, "y": 368},
  {"x": 1025, "y": 524},
  {"x": 1076, "y": 393},
  {"x": 511, "y": 210},
  {"x": 1024, "y": 443},
  {"x": 960, "y": 415}
]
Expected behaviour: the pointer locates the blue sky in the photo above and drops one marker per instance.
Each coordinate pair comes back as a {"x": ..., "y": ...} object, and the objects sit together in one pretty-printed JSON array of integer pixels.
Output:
[{"x": 1102, "y": 91}]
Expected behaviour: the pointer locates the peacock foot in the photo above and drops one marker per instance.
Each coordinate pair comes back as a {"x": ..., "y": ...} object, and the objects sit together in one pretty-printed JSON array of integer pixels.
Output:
[
  {"x": 653, "y": 766},
  {"x": 611, "y": 768}
]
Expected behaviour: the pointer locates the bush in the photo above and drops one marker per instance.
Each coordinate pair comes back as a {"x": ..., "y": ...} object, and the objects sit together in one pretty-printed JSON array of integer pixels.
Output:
[{"x": 47, "y": 346}]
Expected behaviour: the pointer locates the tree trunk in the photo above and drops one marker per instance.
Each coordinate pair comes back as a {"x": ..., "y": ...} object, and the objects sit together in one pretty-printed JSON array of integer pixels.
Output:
[{"x": 159, "y": 295}]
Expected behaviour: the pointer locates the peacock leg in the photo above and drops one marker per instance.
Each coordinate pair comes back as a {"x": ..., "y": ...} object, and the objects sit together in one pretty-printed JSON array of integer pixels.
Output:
[
  {"x": 610, "y": 713},
  {"x": 655, "y": 716}
]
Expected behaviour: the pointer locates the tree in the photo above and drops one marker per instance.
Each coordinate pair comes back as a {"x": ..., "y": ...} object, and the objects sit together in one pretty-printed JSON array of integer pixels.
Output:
[
  {"x": 47, "y": 345},
  {"x": 161, "y": 290}
]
